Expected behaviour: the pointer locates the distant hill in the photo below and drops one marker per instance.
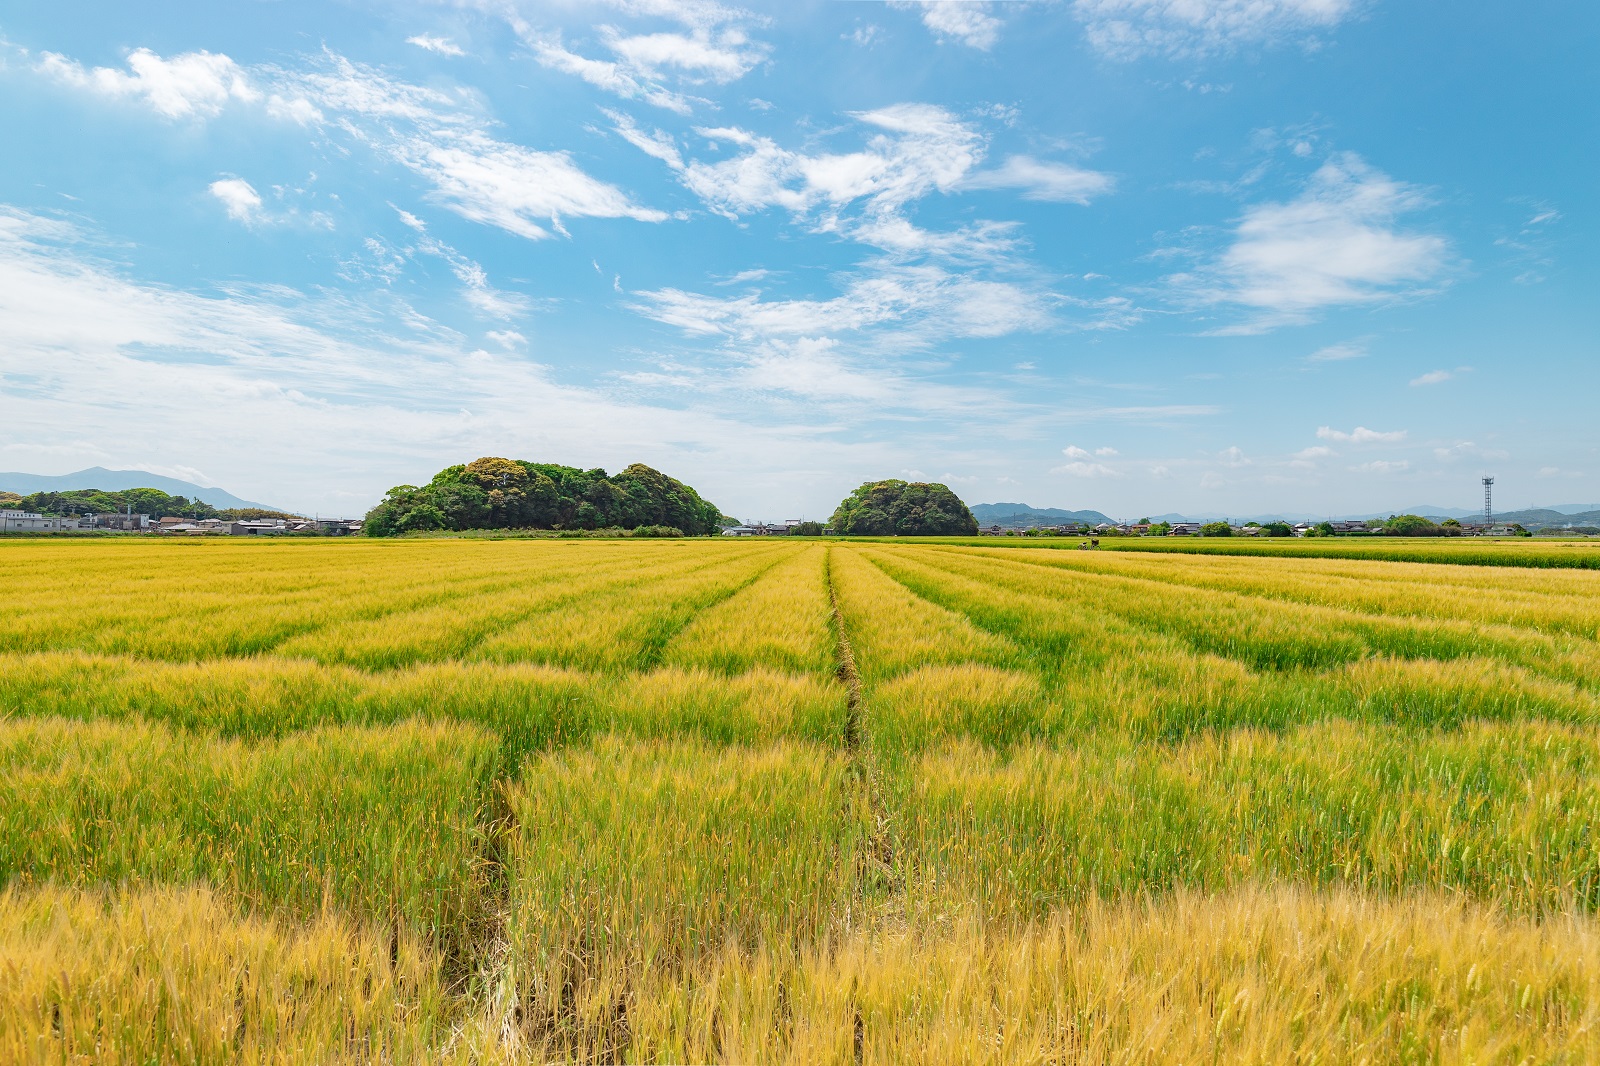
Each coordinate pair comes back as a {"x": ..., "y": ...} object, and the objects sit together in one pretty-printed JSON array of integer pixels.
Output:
[
  {"x": 98, "y": 477},
  {"x": 1021, "y": 516},
  {"x": 1539, "y": 517}
]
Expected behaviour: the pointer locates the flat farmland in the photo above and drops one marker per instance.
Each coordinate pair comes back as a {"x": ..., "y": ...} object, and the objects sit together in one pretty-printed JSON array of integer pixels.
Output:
[{"x": 795, "y": 800}]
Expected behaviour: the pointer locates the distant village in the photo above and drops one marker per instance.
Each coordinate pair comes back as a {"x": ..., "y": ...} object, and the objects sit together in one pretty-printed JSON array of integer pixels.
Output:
[{"x": 1464, "y": 528}]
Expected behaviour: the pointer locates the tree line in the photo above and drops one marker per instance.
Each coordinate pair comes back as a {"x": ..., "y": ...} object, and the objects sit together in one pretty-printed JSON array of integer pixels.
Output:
[{"x": 152, "y": 502}]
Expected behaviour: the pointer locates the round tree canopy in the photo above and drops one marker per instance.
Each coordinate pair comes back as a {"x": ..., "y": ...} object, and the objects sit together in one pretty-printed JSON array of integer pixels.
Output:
[{"x": 904, "y": 509}]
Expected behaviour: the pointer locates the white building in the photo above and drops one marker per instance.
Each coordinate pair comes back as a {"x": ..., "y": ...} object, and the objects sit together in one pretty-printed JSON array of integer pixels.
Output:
[{"x": 28, "y": 522}]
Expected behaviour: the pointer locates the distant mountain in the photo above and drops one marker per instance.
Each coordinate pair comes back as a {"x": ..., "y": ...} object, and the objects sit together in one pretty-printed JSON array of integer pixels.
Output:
[
  {"x": 1021, "y": 516},
  {"x": 98, "y": 477}
]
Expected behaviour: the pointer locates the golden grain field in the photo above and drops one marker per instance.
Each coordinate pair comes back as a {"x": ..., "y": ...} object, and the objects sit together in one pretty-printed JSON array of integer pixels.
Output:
[{"x": 788, "y": 800}]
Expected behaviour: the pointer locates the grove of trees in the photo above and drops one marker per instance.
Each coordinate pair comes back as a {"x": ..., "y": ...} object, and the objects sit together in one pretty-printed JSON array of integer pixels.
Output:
[
  {"x": 898, "y": 508},
  {"x": 495, "y": 493}
]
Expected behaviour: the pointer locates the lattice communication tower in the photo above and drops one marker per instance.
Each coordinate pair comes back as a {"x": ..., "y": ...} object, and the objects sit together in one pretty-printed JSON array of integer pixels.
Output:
[{"x": 1488, "y": 503}]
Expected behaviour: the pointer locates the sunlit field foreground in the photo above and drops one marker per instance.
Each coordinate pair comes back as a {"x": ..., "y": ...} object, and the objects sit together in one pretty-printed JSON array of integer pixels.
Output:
[{"x": 801, "y": 801}]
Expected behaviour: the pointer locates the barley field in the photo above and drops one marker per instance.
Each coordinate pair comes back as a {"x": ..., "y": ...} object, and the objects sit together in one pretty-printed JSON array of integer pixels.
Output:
[{"x": 794, "y": 800}]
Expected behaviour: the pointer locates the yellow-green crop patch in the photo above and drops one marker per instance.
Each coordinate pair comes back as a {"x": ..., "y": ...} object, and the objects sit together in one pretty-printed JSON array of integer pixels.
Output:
[{"x": 797, "y": 799}]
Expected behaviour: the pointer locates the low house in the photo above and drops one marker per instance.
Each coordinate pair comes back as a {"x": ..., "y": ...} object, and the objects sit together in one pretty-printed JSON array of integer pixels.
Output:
[
  {"x": 133, "y": 522},
  {"x": 1184, "y": 529},
  {"x": 30, "y": 522},
  {"x": 257, "y": 527},
  {"x": 741, "y": 531}
]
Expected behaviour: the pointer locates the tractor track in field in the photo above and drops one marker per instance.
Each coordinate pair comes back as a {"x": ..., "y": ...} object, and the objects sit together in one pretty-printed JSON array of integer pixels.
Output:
[{"x": 876, "y": 872}]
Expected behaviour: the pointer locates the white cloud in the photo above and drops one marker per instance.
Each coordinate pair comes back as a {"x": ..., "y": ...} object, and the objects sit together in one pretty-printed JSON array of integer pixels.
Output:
[
  {"x": 442, "y": 45},
  {"x": 716, "y": 49},
  {"x": 1307, "y": 458},
  {"x": 477, "y": 291},
  {"x": 1088, "y": 470},
  {"x": 917, "y": 149},
  {"x": 1466, "y": 449},
  {"x": 1435, "y": 377},
  {"x": 1234, "y": 456},
  {"x": 517, "y": 189},
  {"x": 924, "y": 301},
  {"x": 1057, "y": 182},
  {"x": 1337, "y": 244},
  {"x": 656, "y": 143},
  {"x": 410, "y": 220},
  {"x": 609, "y": 76},
  {"x": 239, "y": 198},
  {"x": 192, "y": 84},
  {"x": 966, "y": 21},
  {"x": 1338, "y": 353},
  {"x": 1383, "y": 466},
  {"x": 1361, "y": 435},
  {"x": 1186, "y": 29},
  {"x": 1072, "y": 451},
  {"x": 1106, "y": 453},
  {"x": 745, "y": 277},
  {"x": 509, "y": 339}
]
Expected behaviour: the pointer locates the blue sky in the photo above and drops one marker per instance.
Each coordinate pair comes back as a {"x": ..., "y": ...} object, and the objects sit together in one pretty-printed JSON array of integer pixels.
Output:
[{"x": 1326, "y": 256}]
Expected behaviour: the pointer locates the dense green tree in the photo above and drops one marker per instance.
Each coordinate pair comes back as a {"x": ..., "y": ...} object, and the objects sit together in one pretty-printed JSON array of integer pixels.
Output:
[
  {"x": 897, "y": 508},
  {"x": 1410, "y": 525},
  {"x": 1216, "y": 529},
  {"x": 1278, "y": 529},
  {"x": 496, "y": 493},
  {"x": 807, "y": 529}
]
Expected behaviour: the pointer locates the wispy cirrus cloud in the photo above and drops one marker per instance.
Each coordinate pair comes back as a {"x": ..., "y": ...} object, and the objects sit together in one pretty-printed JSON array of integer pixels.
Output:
[
  {"x": 441, "y": 136},
  {"x": 441, "y": 45},
  {"x": 968, "y": 22},
  {"x": 910, "y": 151},
  {"x": 1339, "y": 353},
  {"x": 919, "y": 302},
  {"x": 1439, "y": 377},
  {"x": 710, "y": 45},
  {"x": 1339, "y": 243},
  {"x": 1192, "y": 29},
  {"x": 1058, "y": 182}
]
